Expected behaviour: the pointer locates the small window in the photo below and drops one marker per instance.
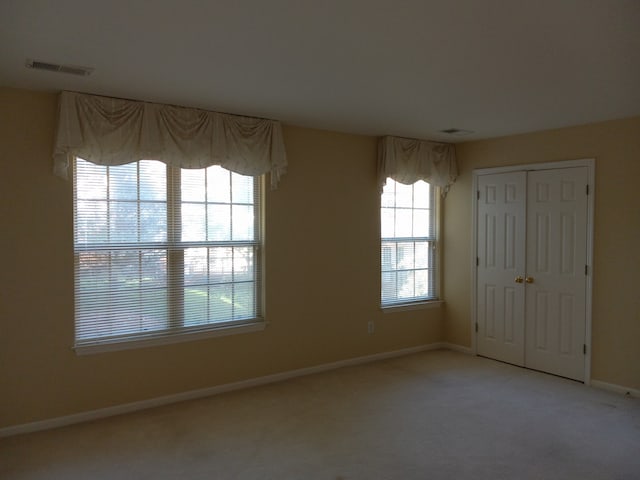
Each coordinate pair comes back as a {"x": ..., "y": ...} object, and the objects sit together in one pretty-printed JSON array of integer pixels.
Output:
[
  {"x": 162, "y": 251},
  {"x": 408, "y": 243}
]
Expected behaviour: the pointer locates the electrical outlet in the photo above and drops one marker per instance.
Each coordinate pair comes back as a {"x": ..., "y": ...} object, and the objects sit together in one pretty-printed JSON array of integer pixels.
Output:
[{"x": 371, "y": 327}]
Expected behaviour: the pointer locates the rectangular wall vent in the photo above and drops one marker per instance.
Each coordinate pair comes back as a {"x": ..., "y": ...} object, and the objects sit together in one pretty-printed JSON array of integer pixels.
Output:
[
  {"x": 457, "y": 131},
  {"x": 54, "y": 67}
]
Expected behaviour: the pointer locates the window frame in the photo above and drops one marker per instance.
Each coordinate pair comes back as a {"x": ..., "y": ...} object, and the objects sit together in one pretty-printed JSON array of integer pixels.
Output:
[
  {"x": 173, "y": 332},
  {"x": 435, "y": 275}
]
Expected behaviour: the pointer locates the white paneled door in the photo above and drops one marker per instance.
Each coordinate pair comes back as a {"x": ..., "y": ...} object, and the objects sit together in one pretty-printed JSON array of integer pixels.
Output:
[
  {"x": 501, "y": 266},
  {"x": 555, "y": 301},
  {"x": 531, "y": 273}
]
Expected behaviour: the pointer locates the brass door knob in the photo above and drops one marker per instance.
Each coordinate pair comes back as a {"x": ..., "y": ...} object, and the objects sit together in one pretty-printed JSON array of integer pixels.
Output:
[
  {"x": 529, "y": 279},
  {"x": 519, "y": 279}
]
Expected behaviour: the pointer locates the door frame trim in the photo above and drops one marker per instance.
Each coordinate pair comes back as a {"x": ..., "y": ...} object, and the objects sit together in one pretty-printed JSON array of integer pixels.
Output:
[{"x": 590, "y": 163}]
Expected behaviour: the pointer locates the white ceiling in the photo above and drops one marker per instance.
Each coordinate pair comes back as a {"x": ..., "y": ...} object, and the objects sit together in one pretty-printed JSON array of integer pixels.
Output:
[{"x": 409, "y": 68}]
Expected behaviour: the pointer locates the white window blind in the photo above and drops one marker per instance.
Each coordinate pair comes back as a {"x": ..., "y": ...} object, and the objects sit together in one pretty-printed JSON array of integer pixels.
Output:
[
  {"x": 163, "y": 251},
  {"x": 408, "y": 243}
]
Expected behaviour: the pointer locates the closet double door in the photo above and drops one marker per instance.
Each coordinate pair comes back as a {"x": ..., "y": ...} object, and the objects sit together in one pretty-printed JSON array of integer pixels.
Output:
[{"x": 532, "y": 269}]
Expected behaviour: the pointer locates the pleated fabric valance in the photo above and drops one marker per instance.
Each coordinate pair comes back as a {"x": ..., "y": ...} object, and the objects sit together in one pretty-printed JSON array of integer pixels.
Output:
[
  {"x": 408, "y": 160},
  {"x": 113, "y": 131}
]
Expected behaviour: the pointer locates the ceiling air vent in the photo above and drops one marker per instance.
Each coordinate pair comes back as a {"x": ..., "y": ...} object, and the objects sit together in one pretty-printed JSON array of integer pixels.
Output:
[
  {"x": 54, "y": 67},
  {"x": 457, "y": 131}
]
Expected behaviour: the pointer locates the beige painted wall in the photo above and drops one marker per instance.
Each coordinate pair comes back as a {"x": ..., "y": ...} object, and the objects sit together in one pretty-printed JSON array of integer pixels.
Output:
[
  {"x": 322, "y": 279},
  {"x": 616, "y": 295},
  {"x": 322, "y": 267}
]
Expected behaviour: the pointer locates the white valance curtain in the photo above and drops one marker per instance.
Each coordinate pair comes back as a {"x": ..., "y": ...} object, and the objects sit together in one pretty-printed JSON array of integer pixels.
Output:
[
  {"x": 408, "y": 160},
  {"x": 113, "y": 131}
]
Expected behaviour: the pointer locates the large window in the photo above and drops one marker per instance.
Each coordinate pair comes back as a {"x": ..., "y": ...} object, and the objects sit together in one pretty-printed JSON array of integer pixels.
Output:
[
  {"x": 161, "y": 252},
  {"x": 408, "y": 230}
]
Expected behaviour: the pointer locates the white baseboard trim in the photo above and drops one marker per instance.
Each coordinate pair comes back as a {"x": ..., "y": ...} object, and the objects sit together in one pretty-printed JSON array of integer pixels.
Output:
[
  {"x": 457, "y": 348},
  {"x": 612, "y": 387},
  {"x": 206, "y": 392}
]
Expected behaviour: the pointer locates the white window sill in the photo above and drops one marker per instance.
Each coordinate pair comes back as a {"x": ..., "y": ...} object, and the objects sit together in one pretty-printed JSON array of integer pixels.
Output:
[
  {"x": 166, "y": 338},
  {"x": 402, "y": 307}
]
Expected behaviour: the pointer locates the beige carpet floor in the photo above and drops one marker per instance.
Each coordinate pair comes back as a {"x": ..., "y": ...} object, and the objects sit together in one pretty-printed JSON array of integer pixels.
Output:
[{"x": 435, "y": 415}]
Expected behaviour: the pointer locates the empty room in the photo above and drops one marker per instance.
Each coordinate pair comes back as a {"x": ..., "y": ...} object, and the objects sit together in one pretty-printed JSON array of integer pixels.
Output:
[{"x": 320, "y": 240}]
